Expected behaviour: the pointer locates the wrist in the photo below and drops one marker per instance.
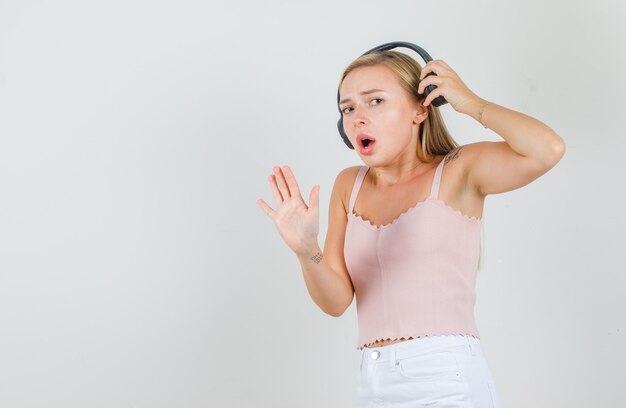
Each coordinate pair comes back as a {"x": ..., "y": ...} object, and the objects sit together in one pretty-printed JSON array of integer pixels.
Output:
[
  {"x": 476, "y": 109},
  {"x": 310, "y": 252}
]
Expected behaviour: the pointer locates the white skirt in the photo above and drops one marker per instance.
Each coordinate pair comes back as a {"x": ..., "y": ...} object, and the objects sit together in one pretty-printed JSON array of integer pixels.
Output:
[{"x": 434, "y": 371}]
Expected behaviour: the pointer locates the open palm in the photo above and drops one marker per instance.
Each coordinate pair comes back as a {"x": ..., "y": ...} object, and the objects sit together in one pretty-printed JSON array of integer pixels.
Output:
[{"x": 297, "y": 223}]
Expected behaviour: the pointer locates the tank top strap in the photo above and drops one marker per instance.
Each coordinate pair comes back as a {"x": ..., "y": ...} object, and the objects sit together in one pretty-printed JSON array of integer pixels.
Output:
[
  {"x": 434, "y": 189},
  {"x": 357, "y": 185}
]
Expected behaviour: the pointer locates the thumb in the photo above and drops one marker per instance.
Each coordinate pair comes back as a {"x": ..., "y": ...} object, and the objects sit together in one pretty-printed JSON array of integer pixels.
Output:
[{"x": 314, "y": 197}]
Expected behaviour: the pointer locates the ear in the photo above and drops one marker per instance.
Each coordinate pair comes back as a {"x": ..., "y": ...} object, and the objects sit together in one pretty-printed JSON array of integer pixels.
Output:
[{"x": 420, "y": 115}]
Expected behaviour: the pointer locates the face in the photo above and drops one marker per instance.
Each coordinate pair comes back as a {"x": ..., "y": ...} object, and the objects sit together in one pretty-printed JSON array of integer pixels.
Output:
[{"x": 375, "y": 106}]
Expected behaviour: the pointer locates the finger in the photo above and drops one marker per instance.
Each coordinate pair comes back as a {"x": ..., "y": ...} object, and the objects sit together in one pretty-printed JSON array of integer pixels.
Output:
[
  {"x": 277, "y": 196},
  {"x": 425, "y": 70},
  {"x": 439, "y": 63},
  {"x": 268, "y": 210},
  {"x": 291, "y": 181},
  {"x": 280, "y": 179},
  {"x": 314, "y": 198},
  {"x": 445, "y": 69},
  {"x": 423, "y": 84},
  {"x": 430, "y": 80},
  {"x": 430, "y": 66},
  {"x": 443, "y": 63},
  {"x": 432, "y": 96},
  {"x": 437, "y": 67}
]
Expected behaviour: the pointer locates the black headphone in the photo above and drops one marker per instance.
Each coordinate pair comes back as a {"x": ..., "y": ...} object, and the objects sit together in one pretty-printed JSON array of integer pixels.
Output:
[{"x": 438, "y": 101}]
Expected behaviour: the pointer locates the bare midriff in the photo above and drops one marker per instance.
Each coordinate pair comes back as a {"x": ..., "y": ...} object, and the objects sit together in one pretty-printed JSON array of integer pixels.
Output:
[{"x": 379, "y": 343}]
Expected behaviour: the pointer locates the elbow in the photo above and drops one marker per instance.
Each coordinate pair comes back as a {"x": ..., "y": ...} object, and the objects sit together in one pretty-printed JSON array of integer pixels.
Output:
[
  {"x": 340, "y": 307},
  {"x": 336, "y": 313},
  {"x": 339, "y": 311},
  {"x": 554, "y": 153},
  {"x": 559, "y": 149}
]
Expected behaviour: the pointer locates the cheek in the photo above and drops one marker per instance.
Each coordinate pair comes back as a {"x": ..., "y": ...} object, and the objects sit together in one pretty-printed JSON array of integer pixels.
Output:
[
  {"x": 395, "y": 119},
  {"x": 389, "y": 117}
]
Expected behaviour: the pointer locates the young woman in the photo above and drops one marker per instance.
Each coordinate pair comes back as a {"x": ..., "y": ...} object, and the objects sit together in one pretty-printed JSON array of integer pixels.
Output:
[{"x": 404, "y": 229}]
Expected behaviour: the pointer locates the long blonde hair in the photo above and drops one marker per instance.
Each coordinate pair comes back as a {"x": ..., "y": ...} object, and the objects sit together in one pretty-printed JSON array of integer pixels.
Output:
[{"x": 434, "y": 138}]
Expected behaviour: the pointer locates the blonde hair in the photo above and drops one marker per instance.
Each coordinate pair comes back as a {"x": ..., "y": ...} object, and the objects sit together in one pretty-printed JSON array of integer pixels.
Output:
[{"x": 434, "y": 138}]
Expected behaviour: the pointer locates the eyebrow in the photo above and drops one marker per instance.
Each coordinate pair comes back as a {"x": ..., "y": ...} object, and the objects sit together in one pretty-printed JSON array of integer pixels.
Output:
[{"x": 362, "y": 93}]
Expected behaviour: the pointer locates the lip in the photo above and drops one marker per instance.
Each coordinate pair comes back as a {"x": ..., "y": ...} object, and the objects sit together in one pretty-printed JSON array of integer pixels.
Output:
[
  {"x": 362, "y": 136},
  {"x": 362, "y": 149}
]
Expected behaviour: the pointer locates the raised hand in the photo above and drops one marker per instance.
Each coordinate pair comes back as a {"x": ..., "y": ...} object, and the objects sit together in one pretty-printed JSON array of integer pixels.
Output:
[
  {"x": 297, "y": 223},
  {"x": 449, "y": 84}
]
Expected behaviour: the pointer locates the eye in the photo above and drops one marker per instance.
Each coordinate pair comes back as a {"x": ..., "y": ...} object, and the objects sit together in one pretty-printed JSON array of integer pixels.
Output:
[{"x": 374, "y": 99}]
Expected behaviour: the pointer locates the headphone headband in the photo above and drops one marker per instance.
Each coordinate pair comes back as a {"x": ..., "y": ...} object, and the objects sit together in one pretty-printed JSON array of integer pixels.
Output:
[{"x": 394, "y": 44}]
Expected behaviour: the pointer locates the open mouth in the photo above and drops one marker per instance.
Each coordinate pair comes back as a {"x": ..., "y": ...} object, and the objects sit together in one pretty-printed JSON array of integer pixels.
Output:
[{"x": 366, "y": 140}]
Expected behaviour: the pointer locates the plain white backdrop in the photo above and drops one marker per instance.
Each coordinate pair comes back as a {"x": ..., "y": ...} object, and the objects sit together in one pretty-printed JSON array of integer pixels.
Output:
[{"x": 138, "y": 271}]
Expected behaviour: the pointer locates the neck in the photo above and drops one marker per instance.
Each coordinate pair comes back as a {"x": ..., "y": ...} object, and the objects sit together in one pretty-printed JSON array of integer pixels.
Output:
[{"x": 397, "y": 174}]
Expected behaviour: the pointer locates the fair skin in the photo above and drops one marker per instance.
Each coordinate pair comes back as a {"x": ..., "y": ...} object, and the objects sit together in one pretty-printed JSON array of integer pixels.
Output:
[{"x": 471, "y": 172}]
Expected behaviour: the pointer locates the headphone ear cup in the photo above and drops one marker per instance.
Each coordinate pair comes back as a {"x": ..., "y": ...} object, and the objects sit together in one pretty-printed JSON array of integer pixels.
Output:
[
  {"x": 438, "y": 101},
  {"x": 343, "y": 135}
]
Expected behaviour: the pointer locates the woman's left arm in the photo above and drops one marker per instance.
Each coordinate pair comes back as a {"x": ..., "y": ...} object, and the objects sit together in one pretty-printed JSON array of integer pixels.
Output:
[{"x": 530, "y": 149}]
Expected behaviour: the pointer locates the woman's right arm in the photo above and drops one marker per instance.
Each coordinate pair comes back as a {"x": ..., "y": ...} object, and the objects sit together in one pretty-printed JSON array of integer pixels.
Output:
[{"x": 326, "y": 275}]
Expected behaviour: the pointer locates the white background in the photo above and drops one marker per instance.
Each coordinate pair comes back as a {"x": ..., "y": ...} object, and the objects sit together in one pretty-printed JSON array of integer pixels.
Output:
[{"x": 138, "y": 271}]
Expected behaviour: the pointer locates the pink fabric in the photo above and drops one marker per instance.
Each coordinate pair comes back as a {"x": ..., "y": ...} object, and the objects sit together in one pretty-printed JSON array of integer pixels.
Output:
[{"x": 415, "y": 276}]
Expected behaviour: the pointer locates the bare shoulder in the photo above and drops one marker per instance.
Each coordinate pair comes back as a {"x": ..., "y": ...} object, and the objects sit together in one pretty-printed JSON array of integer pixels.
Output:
[
  {"x": 460, "y": 161},
  {"x": 462, "y": 157},
  {"x": 344, "y": 182}
]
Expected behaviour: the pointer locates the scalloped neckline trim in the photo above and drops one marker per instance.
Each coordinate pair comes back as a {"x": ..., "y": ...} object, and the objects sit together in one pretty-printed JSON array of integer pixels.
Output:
[{"x": 411, "y": 209}]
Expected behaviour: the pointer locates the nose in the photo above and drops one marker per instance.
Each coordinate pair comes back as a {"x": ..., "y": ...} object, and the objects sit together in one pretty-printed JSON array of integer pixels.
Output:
[{"x": 359, "y": 117}]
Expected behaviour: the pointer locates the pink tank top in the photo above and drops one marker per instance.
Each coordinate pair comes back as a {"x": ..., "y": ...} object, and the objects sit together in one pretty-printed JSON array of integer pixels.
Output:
[{"x": 415, "y": 276}]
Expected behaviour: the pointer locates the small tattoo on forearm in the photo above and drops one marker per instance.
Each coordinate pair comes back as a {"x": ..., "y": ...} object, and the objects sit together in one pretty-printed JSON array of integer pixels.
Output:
[
  {"x": 453, "y": 155},
  {"x": 317, "y": 258}
]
